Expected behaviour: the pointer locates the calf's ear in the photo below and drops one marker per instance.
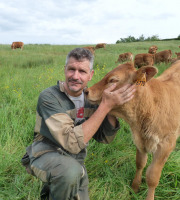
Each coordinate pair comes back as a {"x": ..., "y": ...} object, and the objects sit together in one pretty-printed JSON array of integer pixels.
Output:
[{"x": 145, "y": 73}]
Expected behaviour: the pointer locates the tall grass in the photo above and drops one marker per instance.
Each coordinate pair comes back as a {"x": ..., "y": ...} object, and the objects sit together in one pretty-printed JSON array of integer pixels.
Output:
[{"x": 111, "y": 168}]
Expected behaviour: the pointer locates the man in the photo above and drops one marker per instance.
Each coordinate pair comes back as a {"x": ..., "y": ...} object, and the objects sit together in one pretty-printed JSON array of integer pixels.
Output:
[{"x": 65, "y": 123}]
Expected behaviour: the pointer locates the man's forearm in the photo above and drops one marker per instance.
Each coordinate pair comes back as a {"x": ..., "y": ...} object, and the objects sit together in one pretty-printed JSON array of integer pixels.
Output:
[{"x": 91, "y": 126}]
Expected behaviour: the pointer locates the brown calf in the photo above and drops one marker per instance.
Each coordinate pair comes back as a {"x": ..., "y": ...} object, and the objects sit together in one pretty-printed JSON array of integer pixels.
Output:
[
  {"x": 153, "y": 49},
  {"x": 163, "y": 56},
  {"x": 177, "y": 54},
  {"x": 143, "y": 60},
  {"x": 175, "y": 59},
  {"x": 153, "y": 115},
  {"x": 125, "y": 57},
  {"x": 91, "y": 49},
  {"x": 101, "y": 45},
  {"x": 17, "y": 45}
]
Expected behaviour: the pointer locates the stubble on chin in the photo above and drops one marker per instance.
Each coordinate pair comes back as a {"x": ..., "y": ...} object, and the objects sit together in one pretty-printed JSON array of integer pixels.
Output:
[{"x": 73, "y": 88}]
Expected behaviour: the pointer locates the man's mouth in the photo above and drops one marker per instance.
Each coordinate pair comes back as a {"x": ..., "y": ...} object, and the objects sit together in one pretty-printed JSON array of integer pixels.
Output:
[{"x": 75, "y": 82}]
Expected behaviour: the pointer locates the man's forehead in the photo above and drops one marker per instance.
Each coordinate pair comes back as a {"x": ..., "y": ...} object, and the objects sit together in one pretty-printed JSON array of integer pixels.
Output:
[
  {"x": 72, "y": 59},
  {"x": 81, "y": 63}
]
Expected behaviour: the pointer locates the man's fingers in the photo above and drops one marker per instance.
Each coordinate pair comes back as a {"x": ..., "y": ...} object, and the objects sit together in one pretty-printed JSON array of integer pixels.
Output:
[
  {"x": 124, "y": 94},
  {"x": 128, "y": 98},
  {"x": 110, "y": 88},
  {"x": 129, "y": 92},
  {"x": 126, "y": 89}
]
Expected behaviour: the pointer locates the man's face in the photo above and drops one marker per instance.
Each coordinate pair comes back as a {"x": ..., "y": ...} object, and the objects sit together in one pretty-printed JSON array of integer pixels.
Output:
[{"x": 77, "y": 75}]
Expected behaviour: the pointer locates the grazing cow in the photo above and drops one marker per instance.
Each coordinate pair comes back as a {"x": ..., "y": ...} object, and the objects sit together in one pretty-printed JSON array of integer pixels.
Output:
[
  {"x": 153, "y": 49},
  {"x": 177, "y": 54},
  {"x": 90, "y": 48},
  {"x": 153, "y": 115},
  {"x": 163, "y": 56},
  {"x": 125, "y": 57},
  {"x": 17, "y": 45},
  {"x": 143, "y": 60},
  {"x": 100, "y": 45}
]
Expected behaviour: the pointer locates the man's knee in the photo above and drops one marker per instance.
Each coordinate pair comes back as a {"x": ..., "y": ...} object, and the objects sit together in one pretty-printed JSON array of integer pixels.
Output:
[
  {"x": 70, "y": 172},
  {"x": 52, "y": 166}
]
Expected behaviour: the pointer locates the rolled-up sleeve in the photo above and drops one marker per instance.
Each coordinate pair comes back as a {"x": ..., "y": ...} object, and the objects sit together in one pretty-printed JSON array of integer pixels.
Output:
[
  {"x": 58, "y": 126},
  {"x": 62, "y": 129}
]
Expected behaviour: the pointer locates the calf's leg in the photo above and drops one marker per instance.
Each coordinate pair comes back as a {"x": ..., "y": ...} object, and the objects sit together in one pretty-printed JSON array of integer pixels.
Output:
[
  {"x": 153, "y": 172},
  {"x": 141, "y": 160}
]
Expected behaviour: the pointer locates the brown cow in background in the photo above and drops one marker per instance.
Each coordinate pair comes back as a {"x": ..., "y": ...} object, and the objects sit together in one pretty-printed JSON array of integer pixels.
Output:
[
  {"x": 143, "y": 60},
  {"x": 163, "y": 56},
  {"x": 101, "y": 45},
  {"x": 176, "y": 59},
  {"x": 90, "y": 48},
  {"x": 17, "y": 45},
  {"x": 153, "y": 49},
  {"x": 153, "y": 115},
  {"x": 177, "y": 54},
  {"x": 125, "y": 57}
]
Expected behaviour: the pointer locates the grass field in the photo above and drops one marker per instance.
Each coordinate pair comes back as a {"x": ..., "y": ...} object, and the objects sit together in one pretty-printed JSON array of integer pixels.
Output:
[{"x": 111, "y": 168}]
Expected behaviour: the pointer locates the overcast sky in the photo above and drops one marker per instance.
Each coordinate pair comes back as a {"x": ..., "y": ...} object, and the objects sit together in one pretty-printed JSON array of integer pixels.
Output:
[{"x": 86, "y": 21}]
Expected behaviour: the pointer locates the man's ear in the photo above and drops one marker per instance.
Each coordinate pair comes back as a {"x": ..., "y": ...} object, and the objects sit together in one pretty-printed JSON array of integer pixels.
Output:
[
  {"x": 145, "y": 73},
  {"x": 91, "y": 74}
]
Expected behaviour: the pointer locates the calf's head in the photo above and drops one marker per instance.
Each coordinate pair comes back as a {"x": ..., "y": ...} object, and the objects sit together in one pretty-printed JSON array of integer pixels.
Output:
[{"x": 121, "y": 75}]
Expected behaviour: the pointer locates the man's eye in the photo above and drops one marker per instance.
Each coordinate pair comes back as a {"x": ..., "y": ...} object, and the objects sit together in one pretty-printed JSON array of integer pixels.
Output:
[{"x": 82, "y": 71}]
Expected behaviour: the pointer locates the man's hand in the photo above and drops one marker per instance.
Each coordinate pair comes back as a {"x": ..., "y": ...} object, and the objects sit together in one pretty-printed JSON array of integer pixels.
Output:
[
  {"x": 118, "y": 97},
  {"x": 110, "y": 99}
]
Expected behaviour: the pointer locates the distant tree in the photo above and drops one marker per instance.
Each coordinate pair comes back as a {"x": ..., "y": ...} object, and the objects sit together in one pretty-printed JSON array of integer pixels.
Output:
[
  {"x": 153, "y": 38},
  {"x": 131, "y": 39},
  {"x": 128, "y": 39},
  {"x": 178, "y": 37},
  {"x": 140, "y": 39}
]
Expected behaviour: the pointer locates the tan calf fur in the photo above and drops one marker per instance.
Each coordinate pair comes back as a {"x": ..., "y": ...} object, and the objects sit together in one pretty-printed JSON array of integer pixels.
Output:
[{"x": 153, "y": 115}]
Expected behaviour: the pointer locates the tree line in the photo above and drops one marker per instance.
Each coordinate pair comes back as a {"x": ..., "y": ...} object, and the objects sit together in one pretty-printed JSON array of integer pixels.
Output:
[{"x": 142, "y": 38}]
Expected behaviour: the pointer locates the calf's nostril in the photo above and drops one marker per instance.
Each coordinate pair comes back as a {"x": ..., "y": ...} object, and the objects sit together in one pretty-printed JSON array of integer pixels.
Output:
[{"x": 86, "y": 92}]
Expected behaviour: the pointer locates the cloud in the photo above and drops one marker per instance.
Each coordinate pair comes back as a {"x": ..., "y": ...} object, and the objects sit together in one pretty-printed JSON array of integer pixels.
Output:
[{"x": 86, "y": 22}]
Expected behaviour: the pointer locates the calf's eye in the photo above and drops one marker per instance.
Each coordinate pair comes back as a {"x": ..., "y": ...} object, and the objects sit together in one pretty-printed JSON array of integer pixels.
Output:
[{"x": 113, "y": 81}]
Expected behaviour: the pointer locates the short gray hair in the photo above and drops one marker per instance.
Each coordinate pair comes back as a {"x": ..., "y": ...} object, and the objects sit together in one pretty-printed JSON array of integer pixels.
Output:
[{"x": 80, "y": 54}]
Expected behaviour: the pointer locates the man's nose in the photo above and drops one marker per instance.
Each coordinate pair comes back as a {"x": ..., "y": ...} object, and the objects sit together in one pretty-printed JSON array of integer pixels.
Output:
[{"x": 76, "y": 75}]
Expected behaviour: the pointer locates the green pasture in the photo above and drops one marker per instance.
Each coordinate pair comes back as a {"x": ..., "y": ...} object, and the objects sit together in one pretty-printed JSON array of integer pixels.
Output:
[{"x": 111, "y": 168}]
